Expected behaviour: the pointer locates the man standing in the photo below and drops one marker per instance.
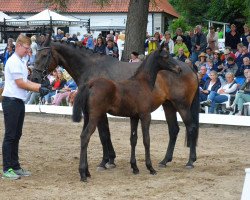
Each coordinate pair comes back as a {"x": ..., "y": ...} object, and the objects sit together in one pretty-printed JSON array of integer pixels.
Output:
[
  {"x": 199, "y": 43},
  {"x": 14, "y": 95}
]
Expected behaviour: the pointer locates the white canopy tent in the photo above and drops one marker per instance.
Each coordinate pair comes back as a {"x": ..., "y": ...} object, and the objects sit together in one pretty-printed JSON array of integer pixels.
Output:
[
  {"x": 45, "y": 16},
  {"x": 3, "y": 16}
]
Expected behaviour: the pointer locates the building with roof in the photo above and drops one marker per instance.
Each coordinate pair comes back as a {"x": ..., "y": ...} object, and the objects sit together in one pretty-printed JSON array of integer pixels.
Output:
[{"x": 102, "y": 19}]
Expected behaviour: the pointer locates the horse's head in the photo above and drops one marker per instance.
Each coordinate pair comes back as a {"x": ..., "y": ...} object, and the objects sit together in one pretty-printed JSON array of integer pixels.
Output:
[
  {"x": 45, "y": 62},
  {"x": 166, "y": 61}
]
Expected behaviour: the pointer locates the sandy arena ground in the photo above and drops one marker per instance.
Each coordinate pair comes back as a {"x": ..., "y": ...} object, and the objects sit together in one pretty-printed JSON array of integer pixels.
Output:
[{"x": 50, "y": 149}]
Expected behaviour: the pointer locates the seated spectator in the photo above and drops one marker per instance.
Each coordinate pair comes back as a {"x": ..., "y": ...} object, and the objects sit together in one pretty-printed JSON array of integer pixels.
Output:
[
  {"x": 239, "y": 50},
  {"x": 100, "y": 46},
  {"x": 248, "y": 39},
  {"x": 212, "y": 84},
  {"x": 204, "y": 76},
  {"x": 216, "y": 60},
  {"x": 209, "y": 53},
  {"x": 57, "y": 84},
  {"x": 190, "y": 64},
  {"x": 245, "y": 35},
  {"x": 229, "y": 66},
  {"x": 64, "y": 93},
  {"x": 201, "y": 61},
  {"x": 71, "y": 97},
  {"x": 210, "y": 66},
  {"x": 230, "y": 87},
  {"x": 134, "y": 57},
  {"x": 245, "y": 65},
  {"x": 243, "y": 95},
  {"x": 227, "y": 53},
  {"x": 181, "y": 56},
  {"x": 180, "y": 44},
  {"x": 111, "y": 49}
]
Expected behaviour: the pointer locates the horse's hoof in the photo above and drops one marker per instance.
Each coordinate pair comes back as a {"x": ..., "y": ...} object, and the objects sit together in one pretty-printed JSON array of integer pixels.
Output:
[
  {"x": 101, "y": 168},
  {"x": 189, "y": 166},
  {"x": 84, "y": 180},
  {"x": 162, "y": 165},
  {"x": 136, "y": 171},
  {"x": 153, "y": 172},
  {"x": 110, "y": 165}
]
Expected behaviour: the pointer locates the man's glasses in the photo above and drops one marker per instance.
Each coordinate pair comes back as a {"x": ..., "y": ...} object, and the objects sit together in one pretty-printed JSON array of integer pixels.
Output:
[{"x": 27, "y": 48}]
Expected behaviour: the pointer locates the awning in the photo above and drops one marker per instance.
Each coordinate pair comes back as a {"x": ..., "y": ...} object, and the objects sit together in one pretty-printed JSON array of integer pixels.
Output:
[{"x": 3, "y": 16}]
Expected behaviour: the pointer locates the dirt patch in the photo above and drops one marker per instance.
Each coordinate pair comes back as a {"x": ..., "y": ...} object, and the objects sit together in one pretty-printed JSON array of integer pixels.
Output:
[{"x": 50, "y": 149}]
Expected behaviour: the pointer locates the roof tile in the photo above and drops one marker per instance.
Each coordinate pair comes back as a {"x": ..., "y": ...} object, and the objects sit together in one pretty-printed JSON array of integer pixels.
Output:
[{"x": 82, "y": 6}]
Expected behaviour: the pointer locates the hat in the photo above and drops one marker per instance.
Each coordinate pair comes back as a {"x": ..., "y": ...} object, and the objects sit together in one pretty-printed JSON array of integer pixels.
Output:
[
  {"x": 179, "y": 38},
  {"x": 202, "y": 55},
  {"x": 226, "y": 52},
  {"x": 216, "y": 51}
]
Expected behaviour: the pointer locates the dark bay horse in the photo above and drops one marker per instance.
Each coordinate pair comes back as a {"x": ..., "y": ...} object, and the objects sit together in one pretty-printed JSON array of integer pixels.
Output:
[
  {"x": 130, "y": 98},
  {"x": 174, "y": 92}
]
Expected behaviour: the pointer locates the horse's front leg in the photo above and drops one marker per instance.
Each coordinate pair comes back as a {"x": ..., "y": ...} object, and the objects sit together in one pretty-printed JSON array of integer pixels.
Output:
[
  {"x": 145, "y": 123},
  {"x": 108, "y": 159},
  {"x": 133, "y": 141},
  {"x": 85, "y": 137}
]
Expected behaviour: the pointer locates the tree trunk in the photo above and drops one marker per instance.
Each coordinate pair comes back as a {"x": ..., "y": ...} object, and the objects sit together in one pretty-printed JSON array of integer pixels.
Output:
[{"x": 136, "y": 27}]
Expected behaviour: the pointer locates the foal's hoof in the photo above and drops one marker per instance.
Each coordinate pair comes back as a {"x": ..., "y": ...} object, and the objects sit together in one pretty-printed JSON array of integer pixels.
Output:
[
  {"x": 162, "y": 165},
  {"x": 101, "y": 168},
  {"x": 84, "y": 179},
  {"x": 110, "y": 165}
]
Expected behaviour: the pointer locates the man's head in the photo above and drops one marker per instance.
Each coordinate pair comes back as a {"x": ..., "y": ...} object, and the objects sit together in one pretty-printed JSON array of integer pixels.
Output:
[
  {"x": 230, "y": 60},
  {"x": 198, "y": 28},
  {"x": 246, "y": 61},
  {"x": 233, "y": 27},
  {"x": 10, "y": 41},
  {"x": 178, "y": 31},
  {"x": 229, "y": 77},
  {"x": 203, "y": 70},
  {"x": 180, "y": 51},
  {"x": 246, "y": 72},
  {"x": 23, "y": 45},
  {"x": 208, "y": 51}
]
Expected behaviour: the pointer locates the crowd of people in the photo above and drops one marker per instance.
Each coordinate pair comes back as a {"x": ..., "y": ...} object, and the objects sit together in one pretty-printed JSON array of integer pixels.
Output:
[{"x": 223, "y": 75}]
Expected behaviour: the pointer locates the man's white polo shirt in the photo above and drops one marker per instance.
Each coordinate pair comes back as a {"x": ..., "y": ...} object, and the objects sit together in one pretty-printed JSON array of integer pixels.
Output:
[{"x": 15, "y": 68}]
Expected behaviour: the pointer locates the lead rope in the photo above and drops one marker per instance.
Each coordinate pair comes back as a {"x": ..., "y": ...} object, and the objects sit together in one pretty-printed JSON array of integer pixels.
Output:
[{"x": 40, "y": 103}]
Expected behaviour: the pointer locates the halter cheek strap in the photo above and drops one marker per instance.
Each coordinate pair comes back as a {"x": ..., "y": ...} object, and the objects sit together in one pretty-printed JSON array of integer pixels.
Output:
[{"x": 45, "y": 71}]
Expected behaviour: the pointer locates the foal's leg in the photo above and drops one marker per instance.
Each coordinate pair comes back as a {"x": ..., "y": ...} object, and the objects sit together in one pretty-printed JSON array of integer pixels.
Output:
[
  {"x": 173, "y": 130},
  {"x": 85, "y": 137},
  {"x": 145, "y": 123},
  {"x": 133, "y": 141},
  {"x": 108, "y": 158},
  {"x": 192, "y": 133}
]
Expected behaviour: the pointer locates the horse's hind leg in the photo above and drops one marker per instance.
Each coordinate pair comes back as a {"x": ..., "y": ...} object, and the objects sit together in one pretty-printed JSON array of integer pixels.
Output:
[
  {"x": 173, "y": 129},
  {"x": 133, "y": 141},
  {"x": 108, "y": 158},
  {"x": 85, "y": 137},
  {"x": 145, "y": 123},
  {"x": 192, "y": 133}
]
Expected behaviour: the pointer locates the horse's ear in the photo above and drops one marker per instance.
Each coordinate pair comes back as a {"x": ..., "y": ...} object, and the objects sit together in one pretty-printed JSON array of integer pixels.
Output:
[
  {"x": 48, "y": 39},
  {"x": 164, "y": 53},
  {"x": 163, "y": 47}
]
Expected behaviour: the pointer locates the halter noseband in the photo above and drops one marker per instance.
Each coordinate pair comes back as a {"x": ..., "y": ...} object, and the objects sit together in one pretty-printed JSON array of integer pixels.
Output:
[{"x": 45, "y": 71}]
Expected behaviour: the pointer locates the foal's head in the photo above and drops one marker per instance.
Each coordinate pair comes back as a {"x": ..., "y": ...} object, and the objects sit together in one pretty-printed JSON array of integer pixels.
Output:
[
  {"x": 45, "y": 63},
  {"x": 166, "y": 61}
]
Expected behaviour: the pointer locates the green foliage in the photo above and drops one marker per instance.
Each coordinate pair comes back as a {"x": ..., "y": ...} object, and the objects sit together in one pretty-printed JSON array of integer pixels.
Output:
[
  {"x": 179, "y": 23},
  {"x": 197, "y": 11}
]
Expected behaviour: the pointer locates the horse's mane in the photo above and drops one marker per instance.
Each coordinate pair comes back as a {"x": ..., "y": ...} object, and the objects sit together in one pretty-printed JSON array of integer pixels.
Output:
[
  {"x": 81, "y": 49},
  {"x": 142, "y": 65}
]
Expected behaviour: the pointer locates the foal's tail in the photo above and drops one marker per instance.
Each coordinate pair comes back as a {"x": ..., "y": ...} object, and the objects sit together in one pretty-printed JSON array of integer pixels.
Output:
[
  {"x": 195, "y": 110},
  {"x": 80, "y": 103}
]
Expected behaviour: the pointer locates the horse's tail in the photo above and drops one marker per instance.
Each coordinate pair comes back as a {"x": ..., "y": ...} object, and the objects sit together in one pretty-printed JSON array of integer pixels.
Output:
[{"x": 80, "y": 103}]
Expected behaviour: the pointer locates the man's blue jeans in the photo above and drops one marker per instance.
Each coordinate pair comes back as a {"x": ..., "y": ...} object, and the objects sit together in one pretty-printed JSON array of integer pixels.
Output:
[{"x": 215, "y": 98}]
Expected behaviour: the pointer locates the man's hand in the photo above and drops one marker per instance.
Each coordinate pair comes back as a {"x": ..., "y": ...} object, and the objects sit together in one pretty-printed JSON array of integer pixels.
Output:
[
  {"x": 43, "y": 91},
  {"x": 45, "y": 83}
]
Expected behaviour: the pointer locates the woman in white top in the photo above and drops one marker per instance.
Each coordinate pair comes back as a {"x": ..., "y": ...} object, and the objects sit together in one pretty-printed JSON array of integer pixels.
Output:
[
  {"x": 230, "y": 87},
  {"x": 168, "y": 42},
  {"x": 33, "y": 47},
  {"x": 212, "y": 39}
]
